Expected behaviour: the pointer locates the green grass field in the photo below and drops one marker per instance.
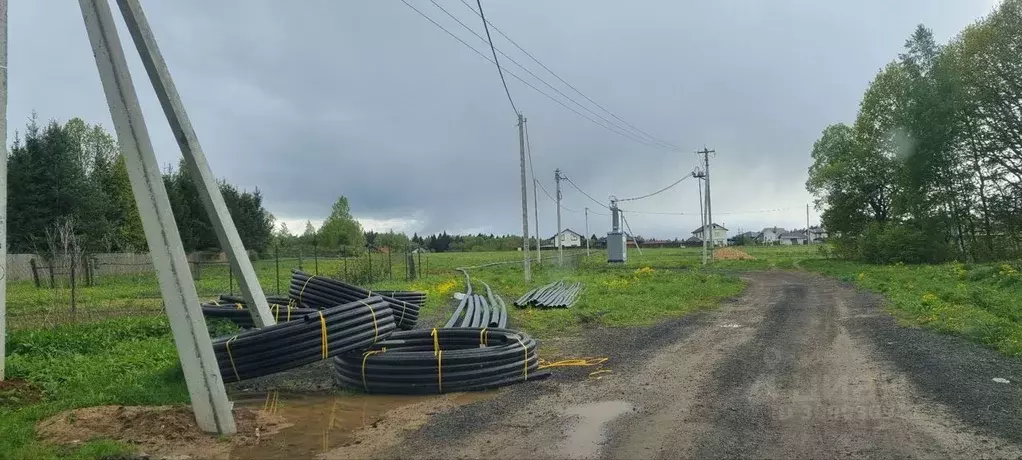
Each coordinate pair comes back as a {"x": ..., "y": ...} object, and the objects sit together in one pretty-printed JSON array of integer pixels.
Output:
[{"x": 88, "y": 361}]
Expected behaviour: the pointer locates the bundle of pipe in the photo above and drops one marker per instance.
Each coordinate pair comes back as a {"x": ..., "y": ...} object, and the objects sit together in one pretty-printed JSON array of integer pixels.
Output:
[
  {"x": 476, "y": 311},
  {"x": 321, "y": 292},
  {"x": 441, "y": 361},
  {"x": 556, "y": 294},
  {"x": 234, "y": 309},
  {"x": 315, "y": 336},
  {"x": 415, "y": 297}
]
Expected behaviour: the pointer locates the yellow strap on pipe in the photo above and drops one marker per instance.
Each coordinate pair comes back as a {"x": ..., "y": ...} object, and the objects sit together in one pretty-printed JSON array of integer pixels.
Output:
[
  {"x": 376, "y": 330},
  {"x": 436, "y": 341},
  {"x": 231, "y": 356},
  {"x": 439, "y": 372},
  {"x": 303, "y": 288},
  {"x": 526, "y": 350},
  {"x": 365, "y": 356},
  {"x": 324, "y": 345},
  {"x": 483, "y": 337}
]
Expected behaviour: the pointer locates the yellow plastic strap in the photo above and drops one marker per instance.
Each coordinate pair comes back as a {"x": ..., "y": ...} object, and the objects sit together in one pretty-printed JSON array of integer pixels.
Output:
[
  {"x": 483, "y": 338},
  {"x": 526, "y": 350},
  {"x": 289, "y": 313},
  {"x": 436, "y": 341},
  {"x": 216, "y": 303},
  {"x": 303, "y": 288},
  {"x": 322, "y": 325},
  {"x": 238, "y": 306},
  {"x": 544, "y": 364},
  {"x": 439, "y": 372},
  {"x": 376, "y": 330},
  {"x": 365, "y": 356},
  {"x": 276, "y": 313},
  {"x": 231, "y": 356}
]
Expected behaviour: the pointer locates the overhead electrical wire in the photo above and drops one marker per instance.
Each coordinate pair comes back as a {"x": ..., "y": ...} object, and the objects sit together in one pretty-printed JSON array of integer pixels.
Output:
[
  {"x": 583, "y": 192},
  {"x": 654, "y": 142},
  {"x": 495, "y": 60},
  {"x": 541, "y": 187},
  {"x": 719, "y": 213},
  {"x": 658, "y": 191},
  {"x": 573, "y": 88},
  {"x": 608, "y": 127}
]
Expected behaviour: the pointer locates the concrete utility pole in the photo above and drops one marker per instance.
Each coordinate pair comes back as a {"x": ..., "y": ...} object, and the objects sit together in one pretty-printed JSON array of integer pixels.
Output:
[
  {"x": 709, "y": 206},
  {"x": 525, "y": 202},
  {"x": 702, "y": 209},
  {"x": 195, "y": 161},
  {"x": 809, "y": 234},
  {"x": 195, "y": 349},
  {"x": 587, "y": 233},
  {"x": 3, "y": 184},
  {"x": 557, "y": 181},
  {"x": 535, "y": 214}
]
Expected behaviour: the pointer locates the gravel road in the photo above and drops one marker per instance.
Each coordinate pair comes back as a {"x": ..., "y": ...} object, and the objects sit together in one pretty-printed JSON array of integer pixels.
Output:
[{"x": 800, "y": 366}]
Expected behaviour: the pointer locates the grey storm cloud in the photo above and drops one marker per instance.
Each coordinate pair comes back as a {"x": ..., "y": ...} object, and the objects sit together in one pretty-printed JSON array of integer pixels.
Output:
[{"x": 313, "y": 99}]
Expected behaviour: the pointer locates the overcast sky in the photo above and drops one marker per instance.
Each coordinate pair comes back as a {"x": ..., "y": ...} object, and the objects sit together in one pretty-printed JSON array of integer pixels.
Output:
[{"x": 314, "y": 99}]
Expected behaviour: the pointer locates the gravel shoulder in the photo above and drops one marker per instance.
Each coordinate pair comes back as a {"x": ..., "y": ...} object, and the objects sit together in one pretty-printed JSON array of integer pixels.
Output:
[{"x": 800, "y": 366}]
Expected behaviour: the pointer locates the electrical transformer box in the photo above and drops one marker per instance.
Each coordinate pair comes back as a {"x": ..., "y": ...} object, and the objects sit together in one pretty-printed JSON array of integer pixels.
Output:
[{"x": 617, "y": 248}]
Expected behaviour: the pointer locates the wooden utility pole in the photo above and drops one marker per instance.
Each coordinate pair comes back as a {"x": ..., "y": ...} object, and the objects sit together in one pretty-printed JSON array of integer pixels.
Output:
[
  {"x": 709, "y": 206},
  {"x": 809, "y": 234},
  {"x": 587, "y": 233},
  {"x": 702, "y": 208},
  {"x": 560, "y": 252},
  {"x": 525, "y": 201}
]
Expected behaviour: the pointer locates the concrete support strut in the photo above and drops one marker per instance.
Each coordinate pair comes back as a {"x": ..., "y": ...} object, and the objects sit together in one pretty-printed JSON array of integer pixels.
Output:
[
  {"x": 195, "y": 161},
  {"x": 209, "y": 399}
]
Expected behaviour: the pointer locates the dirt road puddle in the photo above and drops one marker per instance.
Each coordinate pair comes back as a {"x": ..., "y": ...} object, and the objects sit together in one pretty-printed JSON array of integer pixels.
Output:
[
  {"x": 589, "y": 432},
  {"x": 329, "y": 423}
]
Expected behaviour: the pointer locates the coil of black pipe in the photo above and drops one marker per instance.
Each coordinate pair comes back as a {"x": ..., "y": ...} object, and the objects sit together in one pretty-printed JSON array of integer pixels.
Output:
[
  {"x": 235, "y": 309},
  {"x": 322, "y": 292},
  {"x": 312, "y": 337},
  {"x": 468, "y": 359},
  {"x": 416, "y": 297}
]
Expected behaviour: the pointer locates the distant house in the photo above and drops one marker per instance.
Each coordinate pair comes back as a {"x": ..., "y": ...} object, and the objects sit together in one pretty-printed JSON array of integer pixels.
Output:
[
  {"x": 817, "y": 234},
  {"x": 568, "y": 238},
  {"x": 718, "y": 237},
  {"x": 693, "y": 241},
  {"x": 792, "y": 238},
  {"x": 770, "y": 235},
  {"x": 745, "y": 238}
]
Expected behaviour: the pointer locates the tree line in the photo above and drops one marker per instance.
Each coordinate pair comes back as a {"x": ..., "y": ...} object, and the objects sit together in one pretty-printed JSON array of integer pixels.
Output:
[
  {"x": 931, "y": 169},
  {"x": 71, "y": 179}
]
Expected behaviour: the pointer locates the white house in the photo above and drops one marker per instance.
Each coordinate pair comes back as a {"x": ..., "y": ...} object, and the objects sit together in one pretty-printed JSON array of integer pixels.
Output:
[
  {"x": 568, "y": 238},
  {"x": 818, "y": 234},
  {"x": 771, "y": 235},
  {"x": 718, "y": 237},
  {"x": 792, "y": 238}
]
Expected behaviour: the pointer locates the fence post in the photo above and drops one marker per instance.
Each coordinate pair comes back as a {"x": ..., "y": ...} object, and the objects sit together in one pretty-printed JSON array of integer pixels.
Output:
[
  {"x": 276, "y": 258},
  {"x": 315, "y": 254},
  {"x": 420, "y": 264},
  {"x": 50, "y": 264},
  {"x": 299, "y": 257},
  {"x": 370, "y": 278},
  {"x": 35, "y": 273},
  {"x": 345, "y": 259},
  {"x": 230, "y": 277},
  {"x": 410, "y": 266},
  {"x": 198, "y": 269},
  {"x": 73, "y": 290},
  {"x": 390, "y": 267}
]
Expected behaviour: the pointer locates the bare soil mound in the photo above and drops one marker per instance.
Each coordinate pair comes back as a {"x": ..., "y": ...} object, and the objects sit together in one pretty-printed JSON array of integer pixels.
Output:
[
  {"x": 731, "y": 254},
  {"x": 158, "y": 431}
]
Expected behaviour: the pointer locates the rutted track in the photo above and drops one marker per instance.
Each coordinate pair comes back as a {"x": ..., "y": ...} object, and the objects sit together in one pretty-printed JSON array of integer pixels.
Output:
[{"x": 800, "y": 367}]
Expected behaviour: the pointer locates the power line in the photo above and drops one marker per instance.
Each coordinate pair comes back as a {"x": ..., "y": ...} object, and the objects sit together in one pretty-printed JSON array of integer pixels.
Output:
[
  {"x": 583, "y": 192},
  {"x": 658, "y": 191},
  {"x": 495, "y": 60},
  {"x": 526, "y": 83},
  {"x": 719, "y": 213},
  {"x": 541, "y": 187},
  {"x": 569, "y": 85},
  {"x": 654, "y": 143}
]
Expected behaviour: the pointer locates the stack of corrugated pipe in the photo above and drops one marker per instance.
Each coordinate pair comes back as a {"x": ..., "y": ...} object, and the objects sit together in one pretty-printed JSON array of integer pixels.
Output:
[
  {"x": 322, "y": 292},
  {"x": 235, "y": 309},
  {"x": 554, "y": 295},
  {"x": 479, "y": 356}
]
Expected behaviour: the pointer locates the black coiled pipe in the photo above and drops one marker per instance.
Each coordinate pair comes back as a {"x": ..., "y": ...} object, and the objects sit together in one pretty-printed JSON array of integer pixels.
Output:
[
  {"x": 315, "y": 336},
  {"x": 454, "y": 359},
  {"x": 322, "y": 292}
]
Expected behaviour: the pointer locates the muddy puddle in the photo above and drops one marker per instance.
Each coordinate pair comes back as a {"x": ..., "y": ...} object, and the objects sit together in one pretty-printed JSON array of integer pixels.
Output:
[
  {"x": 587, "y": 435},
  {"x": 330, "y": 423}
]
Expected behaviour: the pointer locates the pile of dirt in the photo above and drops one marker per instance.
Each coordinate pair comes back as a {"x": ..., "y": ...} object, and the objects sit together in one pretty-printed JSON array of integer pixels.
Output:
[
  {"x": 731, "y": 254},
  {"x": 158, "y": 431},
  {"x": 16, "y": 392}
]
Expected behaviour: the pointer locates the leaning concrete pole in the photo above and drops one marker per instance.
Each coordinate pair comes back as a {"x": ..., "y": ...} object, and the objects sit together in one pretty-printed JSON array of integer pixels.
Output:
[
  {"x": 195, "y": 160},
  {"x": 3, "y": 184},
  {"x": 206, "y": 388}
]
